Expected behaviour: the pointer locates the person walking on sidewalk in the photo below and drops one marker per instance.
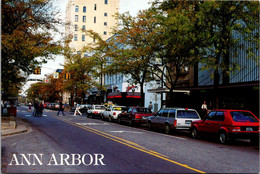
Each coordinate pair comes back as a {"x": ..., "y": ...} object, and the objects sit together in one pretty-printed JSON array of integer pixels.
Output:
[
  {"x": 77, "y": 110},
  {"x": 60, "y": 109}
]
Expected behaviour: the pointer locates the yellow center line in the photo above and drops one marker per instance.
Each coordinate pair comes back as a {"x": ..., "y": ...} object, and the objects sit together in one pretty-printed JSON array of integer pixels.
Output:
[{"x": 130, "y": 144}]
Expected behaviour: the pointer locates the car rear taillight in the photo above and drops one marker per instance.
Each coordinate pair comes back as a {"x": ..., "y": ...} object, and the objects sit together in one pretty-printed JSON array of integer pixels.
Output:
[
  {"x": 175, "y": 123},
  {"x": 114, "y": 113},
  {"x": 258, "y": 129},
  {"x": 138, "y": 116},
  {"x": 235, "y": 129},
  {"x": 95, "y": 112}
]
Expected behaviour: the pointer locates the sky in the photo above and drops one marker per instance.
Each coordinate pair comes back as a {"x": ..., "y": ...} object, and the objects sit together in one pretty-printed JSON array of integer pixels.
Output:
[{"x": 133, "y": 6}]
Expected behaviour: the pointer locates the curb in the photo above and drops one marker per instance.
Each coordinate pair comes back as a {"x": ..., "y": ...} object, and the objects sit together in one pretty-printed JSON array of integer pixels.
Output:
[
  {"x": 20, "y": 128},
  {"x": 13, "y": 132}
]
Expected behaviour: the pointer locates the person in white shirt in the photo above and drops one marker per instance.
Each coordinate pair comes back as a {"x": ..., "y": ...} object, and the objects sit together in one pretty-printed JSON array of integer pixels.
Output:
[
  {"x": 204, "y": 109},
  {"x": 77, "y": 110}
]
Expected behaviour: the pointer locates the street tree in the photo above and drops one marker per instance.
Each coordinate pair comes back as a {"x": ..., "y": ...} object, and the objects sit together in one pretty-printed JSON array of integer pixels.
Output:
[
  {"x": 27, "y": 39},
  {"x": 233, "y": 27},
  {"x": 179, "y": 42},
  {"x": 133, "y": 47},
  {"x": 80, "y": 69},
  {"x": 230, "y": 24},
  {"x": 98, "y": 51},
  {"x": 50, "y": 91}
]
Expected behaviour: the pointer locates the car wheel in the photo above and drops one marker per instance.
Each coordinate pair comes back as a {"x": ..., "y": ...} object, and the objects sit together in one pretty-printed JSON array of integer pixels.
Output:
[
  {"x": 167, "y": 129},
  {"x": 194, "y": 132},
  {"x": 131, "y": 122},
  {"x": 119, "y": 121},
  {"x": 150, "y": 125},
  {"x": 223, "y": 137},
  {"x": 110, "y": 119}
]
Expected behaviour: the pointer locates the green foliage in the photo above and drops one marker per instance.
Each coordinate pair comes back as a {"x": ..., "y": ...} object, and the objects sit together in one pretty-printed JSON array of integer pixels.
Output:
[
  {"x": 81, "y": 70},
  {"x": 27, "y": 39},
  {"x": 229, "y": 25},
  {"x": 178, "y": 38}
]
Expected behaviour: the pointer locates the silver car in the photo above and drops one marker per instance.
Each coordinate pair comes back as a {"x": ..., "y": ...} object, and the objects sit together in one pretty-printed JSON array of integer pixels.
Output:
[{"x": 173, "y": 119}]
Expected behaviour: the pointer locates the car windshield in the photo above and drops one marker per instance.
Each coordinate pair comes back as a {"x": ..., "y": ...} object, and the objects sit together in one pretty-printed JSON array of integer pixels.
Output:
[
  {"x": 142, "y": 110},
  {"x": 100, "y": 107},
  {"x": 243, "y": 117},
  {"x": 187, "y": 114}
]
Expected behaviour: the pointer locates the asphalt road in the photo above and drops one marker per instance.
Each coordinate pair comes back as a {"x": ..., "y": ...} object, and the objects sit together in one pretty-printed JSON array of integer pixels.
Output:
[{"x": 104, "y": 147}]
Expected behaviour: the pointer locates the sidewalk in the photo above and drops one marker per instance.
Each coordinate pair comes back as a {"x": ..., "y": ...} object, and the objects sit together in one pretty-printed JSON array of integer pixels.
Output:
[{"x": 19, "y": 127}]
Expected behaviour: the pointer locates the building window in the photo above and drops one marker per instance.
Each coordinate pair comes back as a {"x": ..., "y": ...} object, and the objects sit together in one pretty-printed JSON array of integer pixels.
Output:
[
  {"x": 106, "y": 1},
  {"x": 95, "y": 6},
  {"x": 84, "y": 9},
  {"x": 105, "y": 14},
  {"x": 76, "y": 18},
  {"x": 76, "y": 27},
  {"x": 84, "y": 18},
  {"x": 83, "y": 27},
  {"x": 95, "y": 19},
  {"x": 105, "y": 23},
  {"x": 105, "y": 33},
  {"x": 76, "y": 8},
  {"x": 83, "y": 37},
  {"x": 75, "y": 37}
]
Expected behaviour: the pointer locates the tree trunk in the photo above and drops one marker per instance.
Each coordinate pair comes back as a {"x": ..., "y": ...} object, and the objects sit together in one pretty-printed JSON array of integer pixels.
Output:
[
  {"x": 171, "y": 100},
  {"x": 142, "y": 94}
]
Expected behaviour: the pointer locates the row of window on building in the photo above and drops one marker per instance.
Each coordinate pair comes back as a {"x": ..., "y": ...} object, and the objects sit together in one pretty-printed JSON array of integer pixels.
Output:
[
  {"x": 84, "y": 18},
  {"x": 85, "y": 8},
  {"x": 83, "y": 38},
  {"x": 84, "y": 26}
]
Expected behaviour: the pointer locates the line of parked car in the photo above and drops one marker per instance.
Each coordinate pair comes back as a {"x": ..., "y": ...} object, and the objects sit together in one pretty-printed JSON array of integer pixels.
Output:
[{"x": 224, "y": 124}]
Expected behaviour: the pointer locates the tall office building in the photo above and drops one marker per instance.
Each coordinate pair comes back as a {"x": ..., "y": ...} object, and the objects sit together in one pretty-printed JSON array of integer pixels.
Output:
[{"x": 96, "y": 15}]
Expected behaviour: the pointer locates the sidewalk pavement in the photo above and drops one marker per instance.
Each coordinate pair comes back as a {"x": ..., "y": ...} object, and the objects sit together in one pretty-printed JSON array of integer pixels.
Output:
[{"x": 20, "y": 127}]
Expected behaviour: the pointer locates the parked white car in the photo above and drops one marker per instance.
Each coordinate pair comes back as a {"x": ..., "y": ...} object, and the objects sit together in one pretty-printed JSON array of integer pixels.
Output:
[
  {"x": 111, "y": 113},
  {"x": 96, "y": 111}
]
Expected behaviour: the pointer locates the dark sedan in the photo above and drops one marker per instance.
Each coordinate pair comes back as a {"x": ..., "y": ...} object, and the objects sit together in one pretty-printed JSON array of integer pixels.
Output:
[{"x": 135, "y": 115}]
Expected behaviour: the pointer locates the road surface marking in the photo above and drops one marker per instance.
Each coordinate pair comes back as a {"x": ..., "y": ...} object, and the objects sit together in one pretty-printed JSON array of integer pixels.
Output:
[
  {"x": 127, "y": 132},
  {"x": 27, "y": 115},
  {"x": 92, "y": 124},
  {"x": 126, "y": 142}
]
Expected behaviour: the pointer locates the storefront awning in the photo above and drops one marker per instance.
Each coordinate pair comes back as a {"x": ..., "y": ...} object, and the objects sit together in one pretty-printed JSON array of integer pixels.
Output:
[
  {"x": 133, "y": 95},
  {"x": 114, "y": 95},
  {"x": 166, "y": 90}
]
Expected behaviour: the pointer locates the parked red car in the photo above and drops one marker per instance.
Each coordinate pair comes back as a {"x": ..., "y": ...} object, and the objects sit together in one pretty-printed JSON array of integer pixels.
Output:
[
  {"x": 228, "y": 125},
  {"x": 135, "y": 115}
]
